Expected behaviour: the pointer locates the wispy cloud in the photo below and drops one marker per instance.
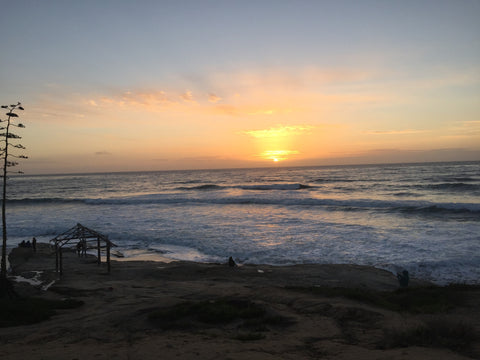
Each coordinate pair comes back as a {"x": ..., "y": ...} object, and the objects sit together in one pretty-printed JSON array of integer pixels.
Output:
[
  {"x": 213, "y": 98},
  {"x": 464, "y": 129},
  {"x": 146, "y": 99},
  {"x": 280, "y": 131},
  {"x": 253, "y": 93},
  {"x": 395, "y": 132},
  {"x": 278, "y": 155},
  {"x": 187, "y": 96}
]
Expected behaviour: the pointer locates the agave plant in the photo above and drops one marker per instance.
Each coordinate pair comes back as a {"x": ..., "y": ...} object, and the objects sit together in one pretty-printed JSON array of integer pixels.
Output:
[{"x": 8, "y": 157}]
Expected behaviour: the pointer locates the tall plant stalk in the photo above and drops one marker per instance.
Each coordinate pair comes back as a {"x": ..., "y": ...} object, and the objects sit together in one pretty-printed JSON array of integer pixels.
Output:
[{"x": 5, "y": 155}]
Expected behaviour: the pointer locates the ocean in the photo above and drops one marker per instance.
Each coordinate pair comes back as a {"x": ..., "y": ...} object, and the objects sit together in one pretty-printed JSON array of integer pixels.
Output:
[{"x": 424, "y": 218}]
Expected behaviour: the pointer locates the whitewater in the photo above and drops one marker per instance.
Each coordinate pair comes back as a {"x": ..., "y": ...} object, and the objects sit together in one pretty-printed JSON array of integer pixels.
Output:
[{"x": 421, "y": 217}]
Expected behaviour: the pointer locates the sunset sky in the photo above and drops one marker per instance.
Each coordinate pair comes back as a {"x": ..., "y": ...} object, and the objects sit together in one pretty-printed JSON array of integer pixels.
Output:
[{"x": 158, "y": 85}]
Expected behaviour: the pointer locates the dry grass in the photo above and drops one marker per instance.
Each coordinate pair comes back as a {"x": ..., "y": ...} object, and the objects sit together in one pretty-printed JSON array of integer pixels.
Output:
[
  {"x": 248, "y": 319},
  {"x": 436, "y": 332},
  {"x": 419, "y": 300}
]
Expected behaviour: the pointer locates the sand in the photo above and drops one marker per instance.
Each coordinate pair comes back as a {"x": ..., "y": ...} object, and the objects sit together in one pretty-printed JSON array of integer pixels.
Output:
[{"x": 114, "y": 324}]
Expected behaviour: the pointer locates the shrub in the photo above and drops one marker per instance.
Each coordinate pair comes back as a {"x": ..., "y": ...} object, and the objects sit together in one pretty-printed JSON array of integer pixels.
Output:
[{"x": 24, "y": 311}]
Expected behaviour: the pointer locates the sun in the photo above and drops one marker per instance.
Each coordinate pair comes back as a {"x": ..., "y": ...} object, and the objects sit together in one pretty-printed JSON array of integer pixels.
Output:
[{"x": 277, "y": 155}]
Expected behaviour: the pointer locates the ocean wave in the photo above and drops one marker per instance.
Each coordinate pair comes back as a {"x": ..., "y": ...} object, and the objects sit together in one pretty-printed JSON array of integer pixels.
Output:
[
  {"x": 265, "y": 187},
  {"x": 187, "y": 182},
  {"x": 201, "y": 187},
  {"x": 465, "y": 179},
  {"x": 456, "y": 186},
  {"x": 43, "y": 201},
  {"x": 407, "y": 194},
  {"x": 333, "y": 180},
  {"x": 450, "y": 179},
  {"x": 399, "y": 206},
  {"x": 451, "y": 208},
  {"x": 275, "y": 187}
]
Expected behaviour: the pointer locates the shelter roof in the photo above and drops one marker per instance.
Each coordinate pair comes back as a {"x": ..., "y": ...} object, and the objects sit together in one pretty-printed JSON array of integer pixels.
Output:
[{"x": 80, "y": 232}]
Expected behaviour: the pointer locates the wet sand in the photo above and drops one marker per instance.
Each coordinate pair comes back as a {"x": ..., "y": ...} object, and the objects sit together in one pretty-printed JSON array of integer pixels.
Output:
[{"x": 114, "y": 321}]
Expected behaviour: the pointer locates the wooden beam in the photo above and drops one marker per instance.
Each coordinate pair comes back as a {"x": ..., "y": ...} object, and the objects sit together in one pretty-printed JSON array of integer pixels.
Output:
[
  {"x": 56, "y": 257},
  {"x": 61, "y": 262},
  {"x": 108, "y": 256},
  {"x": 99, "y": 260}
]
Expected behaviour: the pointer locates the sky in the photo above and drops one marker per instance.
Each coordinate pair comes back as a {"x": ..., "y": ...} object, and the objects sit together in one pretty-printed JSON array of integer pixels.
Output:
[{"x": 114, "y": 85}]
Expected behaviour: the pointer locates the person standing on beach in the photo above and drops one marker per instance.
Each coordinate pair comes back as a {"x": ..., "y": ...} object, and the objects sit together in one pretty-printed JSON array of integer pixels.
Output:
[{"x": 34, "y": 244}]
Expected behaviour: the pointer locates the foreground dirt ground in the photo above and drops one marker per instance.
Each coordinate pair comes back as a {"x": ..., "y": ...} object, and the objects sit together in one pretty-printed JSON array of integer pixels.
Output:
[{"x": 115, "y": 321}]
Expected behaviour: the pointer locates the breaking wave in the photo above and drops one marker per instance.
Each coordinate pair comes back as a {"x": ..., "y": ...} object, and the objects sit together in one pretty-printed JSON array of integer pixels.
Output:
[{"x": 403, "y": 206}]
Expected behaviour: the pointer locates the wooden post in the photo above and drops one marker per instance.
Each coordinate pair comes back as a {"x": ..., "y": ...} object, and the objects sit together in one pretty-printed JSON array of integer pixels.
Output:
[
  {"x": 108, "y": 256},
  {"x": 61, "y": 261},
  {"x": 56, "y": 257},
  {"x": 99, "y": 260}
]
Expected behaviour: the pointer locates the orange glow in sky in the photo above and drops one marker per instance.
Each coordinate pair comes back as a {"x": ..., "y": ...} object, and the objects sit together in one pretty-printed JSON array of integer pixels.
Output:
[
  {"x": 278, "y": 155},
  {"x": 158, "y": 96}
]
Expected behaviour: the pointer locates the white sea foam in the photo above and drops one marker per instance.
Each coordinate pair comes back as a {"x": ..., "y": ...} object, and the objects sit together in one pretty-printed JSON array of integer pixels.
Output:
[{"x": 34, "y": 280}]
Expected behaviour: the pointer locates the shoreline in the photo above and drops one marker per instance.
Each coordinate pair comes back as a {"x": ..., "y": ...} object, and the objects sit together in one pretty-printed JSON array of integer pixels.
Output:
[
  {"x": 347, "y": 275},
  {"x": 155, "y": 257},
  {"x": 115, "y": 321},
  {"x": 433, "y": 276}
]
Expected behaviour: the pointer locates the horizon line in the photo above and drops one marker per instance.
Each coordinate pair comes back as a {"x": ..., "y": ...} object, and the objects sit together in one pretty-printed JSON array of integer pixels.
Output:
[{"x": 248, "y": 168}]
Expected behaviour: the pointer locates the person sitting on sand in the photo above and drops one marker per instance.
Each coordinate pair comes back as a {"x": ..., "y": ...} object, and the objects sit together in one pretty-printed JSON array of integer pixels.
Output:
[
  {"x": 403, "y": 278},
  {"x": 231, "y": 262}
]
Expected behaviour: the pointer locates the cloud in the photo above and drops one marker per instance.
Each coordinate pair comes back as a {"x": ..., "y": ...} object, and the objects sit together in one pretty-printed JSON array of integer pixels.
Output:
[
  {"x": 391, "y": 156},
  {"x": 213, "y": 98},
  {"x": 471, "y": 127},
  {"x": 280, "y": 131},
  {"x": 201, "y": 158},
  {"x": 187, "y": 96},
  {"x": 394, "y": 132},
  {"x": 102, "y": 153},
  {"x": 277, "y": 155},
  {"x": 464, "y": 129},
  {"x": 257, "y": 92},
  {"x": 148, "y": 99},
  {"x": 155, "y": 100},
  {"x": 291, "y": 78}
]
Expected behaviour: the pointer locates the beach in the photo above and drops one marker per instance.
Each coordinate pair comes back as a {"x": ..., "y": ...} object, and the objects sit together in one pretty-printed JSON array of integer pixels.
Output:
[{"x": 125, "y": 313}]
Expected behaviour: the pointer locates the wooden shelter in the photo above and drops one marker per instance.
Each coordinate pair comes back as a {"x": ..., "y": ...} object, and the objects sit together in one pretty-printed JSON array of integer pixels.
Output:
[{"x": 81, "y": 238}]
